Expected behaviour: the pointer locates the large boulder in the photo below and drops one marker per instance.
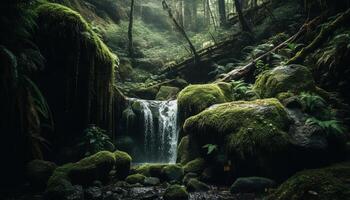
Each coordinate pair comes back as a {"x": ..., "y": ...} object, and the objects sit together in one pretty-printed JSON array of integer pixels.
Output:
[
  {"x": 194, "y": 185},
  {"x": 291, "y": 78},
  {"x": 135, "y": 178},
  {"x": 122, "y": 164},
  {"x": 95, "y": 167},
  {"x": 195, "y": 166},
  {"x": 150, "y": 170},
  {"x": 251, "y": 132},
  {"x": 172, "y": 172},
  {"x": 187, "y": 150},
  {"x": 38, "y": 173},
  {"x": 195, "y": 98},
  {"x": 252, "y": 185},
  {"x": 317, "y": 184},
  {"x": 176, "y": 192}
]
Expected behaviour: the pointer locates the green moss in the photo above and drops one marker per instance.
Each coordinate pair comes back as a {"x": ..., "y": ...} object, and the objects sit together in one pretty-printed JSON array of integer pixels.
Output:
[
  {"x": 122, "y": 164},
  {"x": 167, "y": 93},
  {"x": 291, "y": 78},
  {"x": 154, "y": 170},
  {"x": 196, "y": 186},
  {"x": 195, "y": 98},
  {"x": 173, "y": 172},
  {"x": 183, "y": 150},
  {"x": 135, "y": 178},
  {"x": 318, "y": 184},
  {"x": 195, "y": 166},
  {"x": 95, "y": 167},
  {"x": 176, "y": 192}
]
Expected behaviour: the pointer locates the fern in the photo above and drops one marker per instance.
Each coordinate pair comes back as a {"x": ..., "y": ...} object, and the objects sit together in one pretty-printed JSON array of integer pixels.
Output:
[
  {"x": 210, "y": 148},
  {"x": 312, "y": 102},
  {"x": 242, "y": 90},
  {"x": 329, "y": 126},
  {"x": 94, "y": 140}
]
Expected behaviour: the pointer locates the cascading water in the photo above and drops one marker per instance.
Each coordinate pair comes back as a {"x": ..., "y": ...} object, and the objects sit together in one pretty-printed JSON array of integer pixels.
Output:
[{"x": 150, "y": 131}]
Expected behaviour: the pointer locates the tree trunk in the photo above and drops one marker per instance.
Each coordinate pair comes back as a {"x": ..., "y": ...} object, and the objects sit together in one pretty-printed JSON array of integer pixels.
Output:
[
  {"x": 180, "y": 29},
  {"x": 242, "y": 20},
  {"x": 131, "y": 21},
  {"x": 222, "y": 12}
]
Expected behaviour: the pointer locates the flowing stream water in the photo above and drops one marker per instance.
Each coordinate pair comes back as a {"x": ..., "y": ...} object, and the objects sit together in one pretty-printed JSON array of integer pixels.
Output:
[{"x": 152, "y": 130}]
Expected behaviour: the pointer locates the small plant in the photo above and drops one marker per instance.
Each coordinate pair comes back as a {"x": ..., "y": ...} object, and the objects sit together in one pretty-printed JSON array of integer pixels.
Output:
[
  {"x": 312, "y": 102},
  {"x": 242, "y": 90},
  {"x": 95, "y": 140},
  {"x": 329, "y": 126},
  {"x": 260, "y": 67},
  {"x": 210, "y": 148}
]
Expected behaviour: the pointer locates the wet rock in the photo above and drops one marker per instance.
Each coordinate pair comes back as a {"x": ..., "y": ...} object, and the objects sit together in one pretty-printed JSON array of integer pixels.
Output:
[
  {"x": 173, "y": 173},
  {"x": 195, "y": 166},
  {"x": 78, "y": 193},
  {"x": 167, "y": 93},
  {"x": 251, "y": 185},
  {"x": 122, "y": 164},
  {"x": 189, "y": 176},
  {"x": 194, "y": 185},
  {"x": 176, "y": 192},
  {"x": 93, "y": 193},
  {"x": 135, "y": 178},
  {"x": 38, "y": 173},
  {"x": 151, "y": 181}
]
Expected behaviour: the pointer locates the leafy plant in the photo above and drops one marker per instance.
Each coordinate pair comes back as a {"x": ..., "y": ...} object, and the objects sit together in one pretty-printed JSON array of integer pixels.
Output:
[
  {"x": 260, "y": 67},
  {"x": 95, "y": 140},
  {"x": 329, "y": 126},
  {"x": 312, "y": 102},
  {"x": 210, "y": 148},
  {"x": 242, "y": 90}
]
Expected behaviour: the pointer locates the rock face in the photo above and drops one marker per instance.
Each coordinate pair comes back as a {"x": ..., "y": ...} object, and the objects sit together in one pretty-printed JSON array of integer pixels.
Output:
[
  {"x": 122, "y": 164},
  {"x": 38, "y": 173},
  {"x": 175, "y": 192},
  {"x": 167, "y": 93},
  {"x": 251, "y": 185},
  {"x": 254, "y": 132},
  {"x": 195, "y": 98},
  {"x": 318, "y": 184},
  {"x": 291, "y": 78},
  {"x": 194, "y": 185},
  {"x": 173, "y": 173}
]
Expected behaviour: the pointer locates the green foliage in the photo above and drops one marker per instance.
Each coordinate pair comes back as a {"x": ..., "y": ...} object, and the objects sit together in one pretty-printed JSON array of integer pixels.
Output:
[
  {"x": 261, "y": 67},
  {"x": 95, "y": 140},
  {"x": 242, "y": 90},
  {"x": 210, "y": 148},
  {"x": 329, "y": 126},
  {"x": 312, "y": 102}
]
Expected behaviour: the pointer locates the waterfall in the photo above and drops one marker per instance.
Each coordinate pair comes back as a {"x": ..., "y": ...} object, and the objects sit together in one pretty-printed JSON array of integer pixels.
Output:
[{"x": 153, "y": 134}]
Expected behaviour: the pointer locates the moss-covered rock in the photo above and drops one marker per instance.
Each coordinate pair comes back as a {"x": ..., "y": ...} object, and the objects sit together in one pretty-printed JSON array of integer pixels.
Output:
[
  {"x": 317, "y": 184},
  {"x": 194, "y": 185},
  {"x": 291, "y": 78},
  {"x": 195, "y": 98},
  {"x": 38, "y": 173},
  {"x": 135, "y": 178},
  {"x": 195, "y": 166},
  {"x": 122, "y": 164},
  {"x": 95, "y": 167},
  {"x": 154, "y": 170},
  {"x": 172, "y": 172},
  {"x": 167, "y": 93},
  {"x": 186, "y": 150},
  {"x": 251, "y": 185},
  {"x": 245, "y": 129},
  {"x": 176, "y": 192}
]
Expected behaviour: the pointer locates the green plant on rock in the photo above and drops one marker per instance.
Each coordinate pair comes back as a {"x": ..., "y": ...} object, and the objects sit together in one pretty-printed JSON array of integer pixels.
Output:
[
  {"x": 312, "y": 102},
  {"x": 95, "y": 140},
  {"x": 210, "y": 148},
  {"x": 329, "y": 126},
  {"x": 260, "y": 67}
]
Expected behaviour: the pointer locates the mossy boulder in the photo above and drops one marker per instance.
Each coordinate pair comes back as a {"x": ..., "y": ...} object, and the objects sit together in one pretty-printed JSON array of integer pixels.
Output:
[
  {"x": 135, "y": 178},
  {"x": 195, "y": 98},
  {"x": 290, "y": 78},
  {"x": 95, "y": 167},
  {"x": 195, "y": 166},
  {"x": 151, "y": 181},
  {"x": 317, "y": 184},
  {"x": 183, "y": 154},
  {"x": 194, "y": 185},
  {"x": 122, "y": 164},
  {"x": 150, "y": 170},
  {"x": 176, "y": 192},
  {"x": 247, "y": 130},
  {"x": 252, "y": 185},
  {"x": 167, "y": 93},
  {"x": 172, "y": 172},
  {"x": 38, "y": 173}
]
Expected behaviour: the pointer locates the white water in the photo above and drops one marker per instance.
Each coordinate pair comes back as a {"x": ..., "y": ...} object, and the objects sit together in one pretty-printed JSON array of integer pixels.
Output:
[{"x": 160, "y": 131}]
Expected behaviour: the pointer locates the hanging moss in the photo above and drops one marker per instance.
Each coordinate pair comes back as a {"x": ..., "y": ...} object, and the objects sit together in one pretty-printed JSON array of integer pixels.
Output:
[{"x": 79, "y": 75}]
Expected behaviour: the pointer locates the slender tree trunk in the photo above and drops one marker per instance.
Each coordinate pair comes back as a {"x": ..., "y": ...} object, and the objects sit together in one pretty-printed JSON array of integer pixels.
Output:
[
  {"x": 131, "y": 22},
  {"x": 211, "y": 14},
  {"x": 194, "y": 15},
  {"x": 222, "y": 12},
  {"x": 242, "y": 20},
  {"x": 180, "y": 29}
]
